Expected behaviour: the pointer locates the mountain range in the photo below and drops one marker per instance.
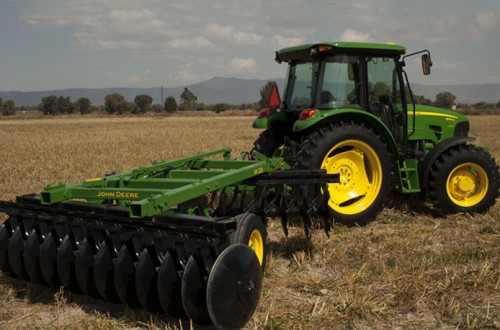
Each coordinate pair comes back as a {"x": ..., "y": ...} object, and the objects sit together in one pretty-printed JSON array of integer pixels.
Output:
[{"x": 236, "y": 91}]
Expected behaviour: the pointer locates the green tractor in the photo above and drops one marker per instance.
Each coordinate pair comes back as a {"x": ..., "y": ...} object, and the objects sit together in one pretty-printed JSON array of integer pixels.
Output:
[
  {"x": 348, "y": 109},
  {"x": 188, "y": 237}
]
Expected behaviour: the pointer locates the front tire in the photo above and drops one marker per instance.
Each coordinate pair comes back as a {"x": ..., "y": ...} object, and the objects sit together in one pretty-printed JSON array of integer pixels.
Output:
[
  {"x": 361, "y": 158},
  {"x": 464, "y": 179}
]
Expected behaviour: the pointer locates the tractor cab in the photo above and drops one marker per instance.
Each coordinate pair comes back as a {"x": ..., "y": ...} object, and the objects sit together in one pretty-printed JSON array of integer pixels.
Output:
[{"x": 353, "y": 78}]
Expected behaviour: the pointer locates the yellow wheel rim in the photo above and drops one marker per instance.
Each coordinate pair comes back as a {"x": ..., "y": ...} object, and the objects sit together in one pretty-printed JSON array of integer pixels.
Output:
[
  {"x": 360, "y": 172},
  {"x": 467, "y": 184},
  {"x": 256, "y": 242}
]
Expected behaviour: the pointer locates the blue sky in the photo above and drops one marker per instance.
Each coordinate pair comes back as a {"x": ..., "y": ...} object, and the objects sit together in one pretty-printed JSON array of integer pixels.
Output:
[{"x": 56, "y": 44}]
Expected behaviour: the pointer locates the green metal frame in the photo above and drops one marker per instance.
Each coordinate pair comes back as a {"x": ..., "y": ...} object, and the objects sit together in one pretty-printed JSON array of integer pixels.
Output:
[{"x": 149, "y": 191}]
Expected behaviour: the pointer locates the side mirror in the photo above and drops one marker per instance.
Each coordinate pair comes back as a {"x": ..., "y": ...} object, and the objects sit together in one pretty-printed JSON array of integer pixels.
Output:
[{"x": 426, "y": 64}]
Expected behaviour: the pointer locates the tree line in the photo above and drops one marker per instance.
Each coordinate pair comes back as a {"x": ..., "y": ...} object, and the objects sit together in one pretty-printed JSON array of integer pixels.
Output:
[{"x": 116, "y": 103}]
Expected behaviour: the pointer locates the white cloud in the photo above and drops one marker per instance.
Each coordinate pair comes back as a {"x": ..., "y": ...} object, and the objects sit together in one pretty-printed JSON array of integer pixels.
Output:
[
  {"x": 283, "y": 41},
  {"x": 447, "y": 65},
  {"x": 45, "y": 21},
  {"x": 188, "y": 75},
  {"x": 139, "y": 79},
  {"x": 226, "y": 32},
  {"x": 353, "y": 35},
  {"x": 242, "y": 65}
]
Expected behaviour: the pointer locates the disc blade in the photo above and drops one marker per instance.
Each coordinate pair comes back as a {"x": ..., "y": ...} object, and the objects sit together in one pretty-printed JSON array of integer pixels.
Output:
[
  {"x": 103, "y": 272},
  {"x": 31, "y": 257},
  {"x": 169, "y": 287},
  {"x": 48, "y": 258},
  {"x": 234, "y": 286},
  {"x": 124, "y": 277},
  {"x": 5, "y": 234},
  {"x": 84, "y": 268},
  {"x": 193, "y": 290},
  {"x": 66, "y": 264},
  {"x": 15, "y": 253},
  {"x": 146, "y": 278}
]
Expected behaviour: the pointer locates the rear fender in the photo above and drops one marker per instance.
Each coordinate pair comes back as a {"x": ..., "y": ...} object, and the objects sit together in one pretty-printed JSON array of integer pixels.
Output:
[
  {"x": 265, "y": 122},
  {"x": 323, "y": 117}
]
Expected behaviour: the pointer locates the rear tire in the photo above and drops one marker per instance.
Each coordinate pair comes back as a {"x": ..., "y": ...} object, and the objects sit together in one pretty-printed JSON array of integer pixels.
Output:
[
  {"x": 464, "y": 179},
  {"x": 251, "y": 231},
  {"x": 268, "y": 143},
  {"x": 361, "y": 158}
]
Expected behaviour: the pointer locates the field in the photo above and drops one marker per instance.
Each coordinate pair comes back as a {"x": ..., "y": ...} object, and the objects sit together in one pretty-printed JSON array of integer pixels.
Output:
[{"x": 409, "y": 269}]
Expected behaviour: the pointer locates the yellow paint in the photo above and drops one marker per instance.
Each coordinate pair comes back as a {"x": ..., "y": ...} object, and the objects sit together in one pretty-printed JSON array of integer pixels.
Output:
[
  {"x": 434, "y": 114},
  {"x": 360, "y": 172},
  {"x": 467, "y": 184}
]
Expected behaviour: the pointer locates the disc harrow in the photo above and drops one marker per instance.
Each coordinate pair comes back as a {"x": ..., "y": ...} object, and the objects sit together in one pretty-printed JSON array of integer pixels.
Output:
[{"x": 186, "y": 237}]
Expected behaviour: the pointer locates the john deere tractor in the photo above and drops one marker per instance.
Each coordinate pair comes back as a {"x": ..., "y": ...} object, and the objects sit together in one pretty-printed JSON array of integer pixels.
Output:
[
  {"x": 348, "y": 109},
  {"x": 188, "y": 237}
]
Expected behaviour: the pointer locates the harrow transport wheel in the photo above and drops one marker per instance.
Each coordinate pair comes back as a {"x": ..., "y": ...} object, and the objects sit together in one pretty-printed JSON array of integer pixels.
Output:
[
  {"x": 169, "y": 287},
  {"x": 194, "y": 290},
  {"x": 84, "y": 267},
  {"x": 5, "y": 235},
  {"x": 146, "y": 279},
  {"x": 124, "y": 275},
  {"x": 251, "y": 231},
  {"x": 361, "y": 158},
  {"x": 31, "y": 256},
  {"x": 103, "y": 271},
  {"x": 234, "y": 286},
  {"x": 48, "y": 259},
  {"x": 464, "y": 179},
  {"x": 16, "y": 251},
  {"x": 66, "y": 264}
]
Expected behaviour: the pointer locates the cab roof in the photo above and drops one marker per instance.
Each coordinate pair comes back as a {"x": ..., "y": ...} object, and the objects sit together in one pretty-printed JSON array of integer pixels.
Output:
[{"x": 305, "y": 51}]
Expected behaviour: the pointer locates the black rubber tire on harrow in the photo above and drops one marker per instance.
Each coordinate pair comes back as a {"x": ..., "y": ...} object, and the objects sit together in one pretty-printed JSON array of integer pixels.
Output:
[
  {"x": 319, "y": 145},
  {"x": 467, "y": 162},
  {"x": 251, "y": 231},
  {"x": 169, "y": 286}
]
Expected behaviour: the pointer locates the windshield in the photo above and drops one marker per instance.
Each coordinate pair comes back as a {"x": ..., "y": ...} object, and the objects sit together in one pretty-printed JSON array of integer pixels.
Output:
[{"x": 338, "y": 85}]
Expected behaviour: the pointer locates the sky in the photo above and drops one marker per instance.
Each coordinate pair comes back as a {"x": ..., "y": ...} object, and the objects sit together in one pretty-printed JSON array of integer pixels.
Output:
[{"x": 59, "y": 44}]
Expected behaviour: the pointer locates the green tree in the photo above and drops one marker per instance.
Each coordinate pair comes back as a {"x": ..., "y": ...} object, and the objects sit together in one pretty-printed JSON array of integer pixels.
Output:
[
  {"x": 445, "y": 100},
  {"x": 188, "y": 100},
  {"x": 64, "y": 105},
  {"x": 170, "y": 104},
  {"x": 83, "y": 106},
  {"x": 9, "y": 108},
  {"x": 115, "y": 103},
  {"x": 497, "y": 105},
  {"x": 143, "y": 103},
  {"x": 265, "y": 94},
  {"x": 48, "y": 105},
  {"x": 219, "y": 107},
  {"x": 1, "y": 102}
]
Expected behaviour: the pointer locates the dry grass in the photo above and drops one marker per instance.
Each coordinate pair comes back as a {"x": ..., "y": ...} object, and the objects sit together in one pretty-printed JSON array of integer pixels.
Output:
[{"x": 408, "y": 269}]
